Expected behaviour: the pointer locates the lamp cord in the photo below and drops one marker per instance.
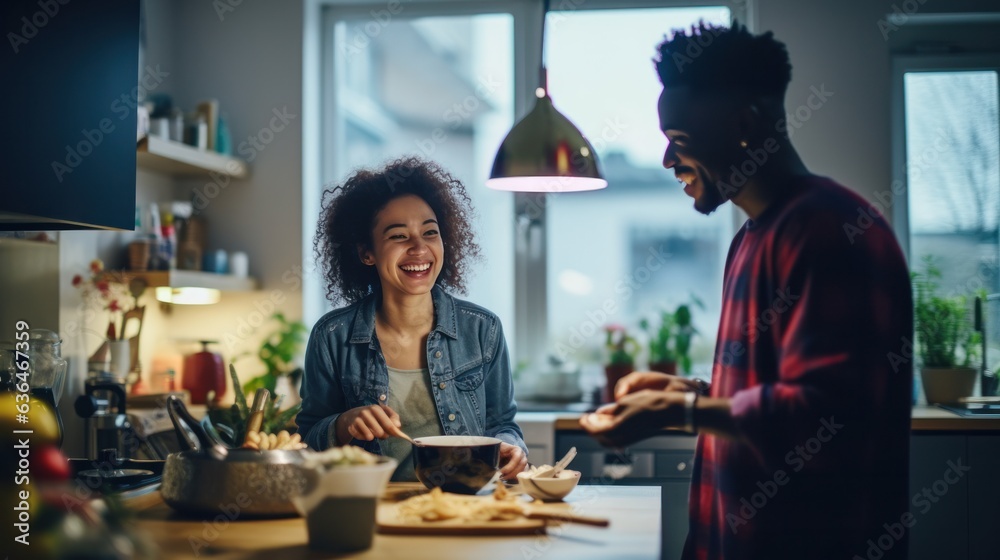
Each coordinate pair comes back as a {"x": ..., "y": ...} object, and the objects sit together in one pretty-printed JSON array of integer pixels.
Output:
[{"x": 543, "y": 80}]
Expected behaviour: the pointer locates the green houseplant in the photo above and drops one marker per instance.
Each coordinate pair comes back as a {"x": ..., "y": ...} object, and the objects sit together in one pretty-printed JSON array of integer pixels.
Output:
[
  {"x": 946, "y": 342},
  {"x": 278, "y": 352},
  {"x": 670, "y": 341}
]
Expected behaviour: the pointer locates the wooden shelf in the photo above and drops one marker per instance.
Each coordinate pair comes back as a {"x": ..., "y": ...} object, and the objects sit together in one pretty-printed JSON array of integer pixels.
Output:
[
  {"x": 193, "y": 279},
  {"x": 174, "y": 158}
]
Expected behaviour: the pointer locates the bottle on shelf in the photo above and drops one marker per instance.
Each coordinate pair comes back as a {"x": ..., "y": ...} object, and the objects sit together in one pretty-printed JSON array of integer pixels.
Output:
[{"x": 168, "y": 243}]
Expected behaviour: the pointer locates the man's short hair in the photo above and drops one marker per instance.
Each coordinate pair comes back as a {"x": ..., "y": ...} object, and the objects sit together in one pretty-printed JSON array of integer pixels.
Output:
[{"x": 714, "y": 58}]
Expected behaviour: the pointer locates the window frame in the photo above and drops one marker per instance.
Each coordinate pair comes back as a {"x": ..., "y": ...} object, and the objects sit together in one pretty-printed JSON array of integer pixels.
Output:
[
  {"x": 901, "y": 65},
  {"x": 529, "y": 338}
]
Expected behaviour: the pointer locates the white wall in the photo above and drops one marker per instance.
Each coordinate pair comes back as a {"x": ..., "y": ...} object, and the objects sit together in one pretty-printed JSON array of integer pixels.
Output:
[{"x": 837, "y": 45}]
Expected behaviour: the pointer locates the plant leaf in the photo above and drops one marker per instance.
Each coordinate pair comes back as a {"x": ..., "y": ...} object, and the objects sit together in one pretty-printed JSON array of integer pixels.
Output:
[{"x": 241, "y": 399}]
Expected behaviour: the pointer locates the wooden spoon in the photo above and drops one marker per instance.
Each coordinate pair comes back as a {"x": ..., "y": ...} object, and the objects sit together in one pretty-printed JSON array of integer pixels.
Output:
[
  {"x": 568, "y": 517},
  {"x": 402, "y": 434}
]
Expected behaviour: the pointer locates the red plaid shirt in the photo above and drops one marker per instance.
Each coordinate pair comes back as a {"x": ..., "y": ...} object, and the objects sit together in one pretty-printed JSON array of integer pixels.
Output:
[{"x": 814, "y": 351}]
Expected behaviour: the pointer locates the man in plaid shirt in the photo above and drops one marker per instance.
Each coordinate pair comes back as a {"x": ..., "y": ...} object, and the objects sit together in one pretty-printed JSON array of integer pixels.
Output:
[{"x": 804, "y": 430}]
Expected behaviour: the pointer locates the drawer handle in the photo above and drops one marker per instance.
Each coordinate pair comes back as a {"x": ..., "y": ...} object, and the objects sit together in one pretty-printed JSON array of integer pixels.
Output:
[{"x": 681, "y": 466}]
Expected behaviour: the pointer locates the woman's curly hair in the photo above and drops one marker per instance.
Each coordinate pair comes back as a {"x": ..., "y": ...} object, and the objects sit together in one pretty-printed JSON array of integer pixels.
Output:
[{"x": 348, "y": 217}]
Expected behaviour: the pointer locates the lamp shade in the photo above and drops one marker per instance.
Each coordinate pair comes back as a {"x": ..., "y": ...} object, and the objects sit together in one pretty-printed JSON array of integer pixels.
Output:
[{"x": 545, "y": 152}]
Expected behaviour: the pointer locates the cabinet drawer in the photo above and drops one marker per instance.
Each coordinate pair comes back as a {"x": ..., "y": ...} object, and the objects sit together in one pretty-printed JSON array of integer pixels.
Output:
[{"x": 674, "y": 464}]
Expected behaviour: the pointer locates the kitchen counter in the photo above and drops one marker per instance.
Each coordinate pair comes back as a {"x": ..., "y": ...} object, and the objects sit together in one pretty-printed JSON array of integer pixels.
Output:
[
  {"x": 923, "y": 418},
  {"x": 634, "y": 533}
]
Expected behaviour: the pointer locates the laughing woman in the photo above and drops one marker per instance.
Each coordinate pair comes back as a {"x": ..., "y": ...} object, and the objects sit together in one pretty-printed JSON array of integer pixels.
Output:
[{"x": 404, "y": 355}]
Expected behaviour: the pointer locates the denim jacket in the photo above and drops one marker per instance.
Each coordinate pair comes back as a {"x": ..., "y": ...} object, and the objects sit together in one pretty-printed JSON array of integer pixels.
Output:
[{"x": 467, "y": 357}]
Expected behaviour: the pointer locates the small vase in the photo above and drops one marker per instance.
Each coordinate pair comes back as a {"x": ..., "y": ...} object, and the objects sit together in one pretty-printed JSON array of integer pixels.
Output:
[
  {"x": 121, "y": 358},
  {"x": 664, "y": 367},
  {"x": 613, "y": 373}
]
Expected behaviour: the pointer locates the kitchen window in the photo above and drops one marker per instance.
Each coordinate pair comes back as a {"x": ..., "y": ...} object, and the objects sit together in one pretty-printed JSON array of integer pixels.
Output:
[
  {"x": 445, "y": 80},
  {"x": 946, "y": 172}
]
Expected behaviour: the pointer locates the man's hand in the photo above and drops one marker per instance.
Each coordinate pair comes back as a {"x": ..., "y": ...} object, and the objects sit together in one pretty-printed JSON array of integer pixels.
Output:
[
  {"x": 367, "y": 423},
  {"x": 654, "y": 381},
  {"x": 512, "y": 461},
  {"x": 635, "y": 417}
]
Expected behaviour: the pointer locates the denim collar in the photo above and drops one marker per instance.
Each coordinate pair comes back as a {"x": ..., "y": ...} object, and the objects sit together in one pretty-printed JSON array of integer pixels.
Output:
[{"x": 445, "y": 320}]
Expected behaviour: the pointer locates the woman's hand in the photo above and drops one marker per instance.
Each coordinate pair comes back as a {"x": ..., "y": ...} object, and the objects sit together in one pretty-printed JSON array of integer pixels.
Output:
[
  {"x": 656, "y": 381},
  {"x": 512, "y": 461},
  {"x": 367, "y": 423}
]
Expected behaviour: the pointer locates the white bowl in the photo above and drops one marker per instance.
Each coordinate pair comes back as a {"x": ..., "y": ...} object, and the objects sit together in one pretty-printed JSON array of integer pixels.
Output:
[{"x": 549, "y": 489}]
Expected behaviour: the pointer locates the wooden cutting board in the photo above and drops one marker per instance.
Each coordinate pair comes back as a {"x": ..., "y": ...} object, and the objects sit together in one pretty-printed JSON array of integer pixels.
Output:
[{"x": 390, "y": 523}]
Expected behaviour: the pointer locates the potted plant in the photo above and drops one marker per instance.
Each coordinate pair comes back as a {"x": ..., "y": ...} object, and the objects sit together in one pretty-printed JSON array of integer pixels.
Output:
[
  {"x": 278, "y": 352},
  {"x": 670, "y": 342},
  {"x": 231, "y": 422},
  {"x": 622, "y": 350},
  {"x": 946, "y": 341}
]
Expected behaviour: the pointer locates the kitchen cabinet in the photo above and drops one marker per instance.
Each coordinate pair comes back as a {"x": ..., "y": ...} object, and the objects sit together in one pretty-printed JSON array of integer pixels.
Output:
[
  {"x": 70, "y": 89},
  {"x": 984, "y": 496},
  {"x": 959, "y": 512},
  {"x": 664, "y": 461},
  {"x": 941, "y": 529}
]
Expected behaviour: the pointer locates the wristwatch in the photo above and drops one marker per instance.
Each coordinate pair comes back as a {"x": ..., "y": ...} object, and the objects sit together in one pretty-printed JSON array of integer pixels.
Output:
[
  {"x": 690, "y": 401},
  {"x": 702, "y": 387}
]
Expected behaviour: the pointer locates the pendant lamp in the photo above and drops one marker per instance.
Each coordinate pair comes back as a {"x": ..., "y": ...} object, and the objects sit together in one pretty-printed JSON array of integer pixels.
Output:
[{"x": 544, "y": 151}]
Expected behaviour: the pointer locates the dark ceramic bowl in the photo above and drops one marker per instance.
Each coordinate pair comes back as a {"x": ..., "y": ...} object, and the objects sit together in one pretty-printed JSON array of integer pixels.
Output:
[{"x": 459, "y": 464}]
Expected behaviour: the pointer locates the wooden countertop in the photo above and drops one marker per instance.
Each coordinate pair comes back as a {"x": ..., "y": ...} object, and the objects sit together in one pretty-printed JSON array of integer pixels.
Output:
[
  {"x": 924, "y": 418},
  {"x": 634, "y": 533}
]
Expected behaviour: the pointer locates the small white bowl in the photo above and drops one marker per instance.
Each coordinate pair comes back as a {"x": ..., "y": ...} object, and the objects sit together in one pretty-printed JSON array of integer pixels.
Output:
[{"x": 549, "y": 489}]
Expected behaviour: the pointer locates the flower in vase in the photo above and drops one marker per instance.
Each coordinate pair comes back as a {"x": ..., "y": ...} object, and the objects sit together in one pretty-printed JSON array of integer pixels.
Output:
[{"x": 106, "y": 291}]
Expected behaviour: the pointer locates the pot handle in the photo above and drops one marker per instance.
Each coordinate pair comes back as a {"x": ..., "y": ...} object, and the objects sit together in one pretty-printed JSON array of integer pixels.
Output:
[{"x": 190, "y": 433}]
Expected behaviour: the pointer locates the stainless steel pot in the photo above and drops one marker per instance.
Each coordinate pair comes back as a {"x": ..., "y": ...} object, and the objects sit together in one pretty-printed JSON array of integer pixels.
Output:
[{"x": 209, "y": 479}]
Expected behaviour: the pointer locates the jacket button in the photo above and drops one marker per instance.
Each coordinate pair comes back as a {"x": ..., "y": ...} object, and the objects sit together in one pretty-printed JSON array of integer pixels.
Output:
[
  {"x": 451, "y": 417},
  {"x": 442, "y": 385},
  {"x": 381, "y": 397},
  {"x": 437, "y": 354}
]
